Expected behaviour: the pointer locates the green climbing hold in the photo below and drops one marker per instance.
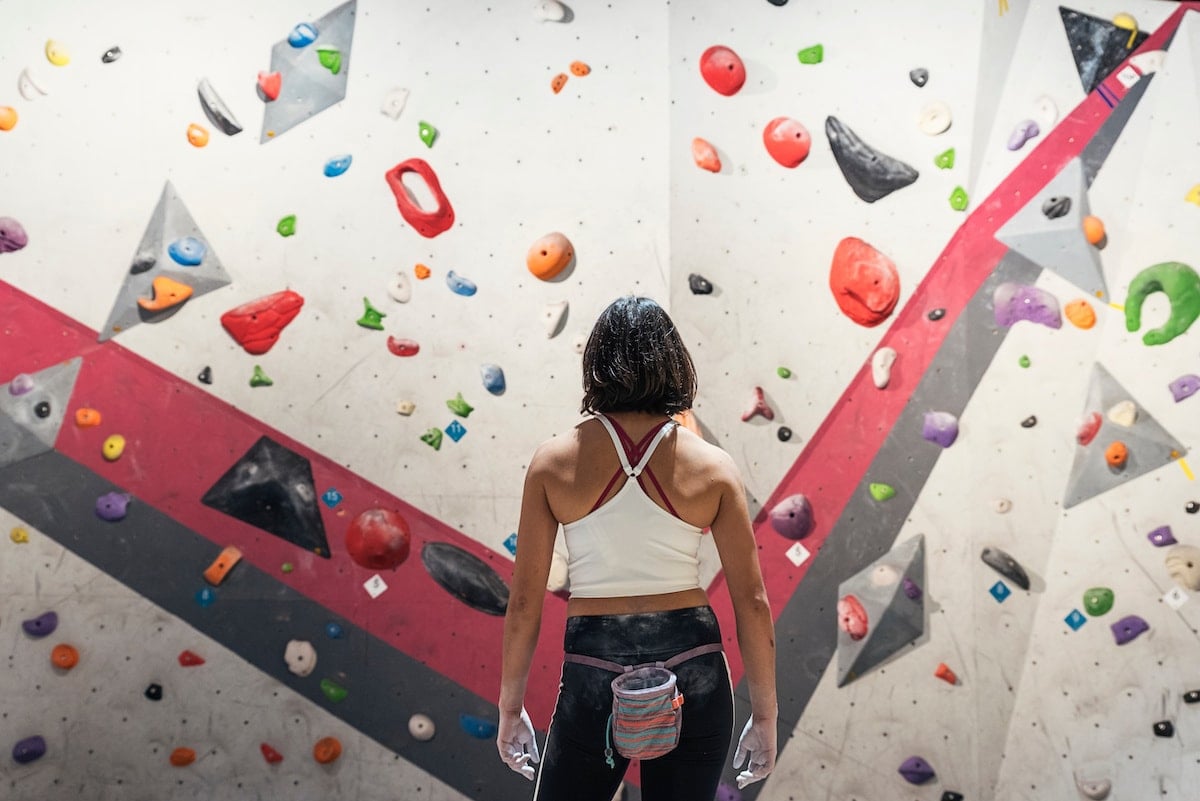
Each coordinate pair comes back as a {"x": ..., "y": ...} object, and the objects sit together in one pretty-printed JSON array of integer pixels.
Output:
[
  {"x": 783, "y": 372},
  {"x": 259, "y": 379},
  {"x": 958, "y": 199},
  {"x": 335, "y": 692},
  {"x": 812, "y": 55},
  {"x": 372, "y": 317},
  {"x": 1024, "y": 361},
  {"x": 1098, "y": 600},
  {"x": 428, "y": 133},
  {"x": 287, "y": 225},
  {"x": 287, "y": 567},
  {"x": 330, "y": 58},
  {"x": 945, "y": 160},
  {"x": 460, "y": 406},
  {"x": 1181, "y": 284},
  {"x": 882, "y": 492},
  {"x": 433, "y": 438}
]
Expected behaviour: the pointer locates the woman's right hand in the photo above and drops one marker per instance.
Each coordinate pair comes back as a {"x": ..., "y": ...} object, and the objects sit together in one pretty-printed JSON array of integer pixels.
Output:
[{"x": 758, "y": 742}]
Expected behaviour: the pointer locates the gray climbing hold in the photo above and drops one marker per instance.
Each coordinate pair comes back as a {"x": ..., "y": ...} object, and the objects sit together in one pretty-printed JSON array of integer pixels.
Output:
[
  {"x": 1005, "y": 565},
  {"x": 699, "y": 284},
  {"x": 216, "y": 110},
  {"x": 1029, "y": 422},
  {"x": 465, "y": 576},
  {"x": 919, "y": 76},
  {"x": 883, "y": 589},
  {"x": 1095, "y": 789},
  {"x": 871, "y": 174}
]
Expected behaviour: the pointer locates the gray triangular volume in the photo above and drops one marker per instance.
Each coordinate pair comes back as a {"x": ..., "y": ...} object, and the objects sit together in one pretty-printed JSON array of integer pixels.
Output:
[
  {"x": 1097, "y": 45},
  {"x": 1058, "y": 243},
  {"x": 891, "y": 590},
  {"x": 29, "y": 422},
  {"x": 1149, "y": 445},
  {"x": 170, "y": 222},
  {"x": 307, "y": 87}
]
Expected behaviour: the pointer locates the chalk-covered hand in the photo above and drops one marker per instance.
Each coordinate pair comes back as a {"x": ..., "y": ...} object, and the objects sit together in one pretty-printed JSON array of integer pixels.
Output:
[
  {"x": 517, "y": 742},
  {"x": 758, "y": 743}
]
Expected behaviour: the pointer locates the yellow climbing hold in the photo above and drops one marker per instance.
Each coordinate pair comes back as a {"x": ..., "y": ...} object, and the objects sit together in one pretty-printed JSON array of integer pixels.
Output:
[
  {"x": 19, "y": 535},
  {"x": 56, "y": 54},
  {"x": 1193, "y": 195},
  {"x": 113, "y": 447},
  {"x": 1126, "y": 22},
  {"x": 1080, "y": 313}
]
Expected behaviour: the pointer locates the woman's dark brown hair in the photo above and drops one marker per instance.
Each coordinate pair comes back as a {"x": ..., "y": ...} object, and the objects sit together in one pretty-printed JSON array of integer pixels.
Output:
[{"x": 635, "y": 361}]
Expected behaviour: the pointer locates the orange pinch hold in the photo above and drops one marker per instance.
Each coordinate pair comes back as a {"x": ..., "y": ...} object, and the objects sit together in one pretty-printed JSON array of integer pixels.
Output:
[
  {"x": 421, "y": 272},
  {"x": 1116, "y": 455},
  {"x": 168, "y": 293},
  {"x": 1093, "y": 230},
  {"x": 225, "y": 561},
  {"x": 327, "y": 750},
  {"x": 1080, "y": 313},
  {"x": 579, "y": 69},
  {"x": 558, "y": 82},
  {"x": 549, "y": 256},
  {"x": 86, "y": 417},
  {"x": 705, "y": 155},
  {"x": 197, "y": 135},
  {"x": 944, "y": 673},
  {"x": 182, "y": 757},
  {"x": 64, "y": 656}
]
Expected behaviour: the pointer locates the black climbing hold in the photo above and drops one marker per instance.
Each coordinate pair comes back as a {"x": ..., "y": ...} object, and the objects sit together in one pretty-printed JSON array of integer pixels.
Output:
[
  {"x": 142, "y": 263},
  {"x": 205, "y": 376},
  {"x": 465, "y": 576},
  {"x": 699, "y": 284},
  {"x": 1056, "y": 207},
  {"x": 1098, "y": 45},
  {"x": 271, "y": 488},
  {"x": 42, "y": 410},
  {"x": 1029, "y": 422},
  {"x": 1006, "y": 566},
  {"x": 111, "y": 54},
  {"x": 919, "y": 76},
  {"x": 1191, "y": 697},
  {"x": 936, "y": 314},
  {"x": 154, "y": 692},
  {"x": 1191, "y": 507},
  {"x": 870, "y": 173},
  {"x": 950, "y": 795},
  {"x": 777, "y": 2},
  {"x": 784, "y": 433},
  {"x": 1164, "y": 728}
]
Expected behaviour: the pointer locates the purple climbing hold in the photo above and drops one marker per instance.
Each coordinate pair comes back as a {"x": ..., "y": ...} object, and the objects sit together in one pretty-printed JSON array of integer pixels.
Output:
[
  {"x": 20, "y": 384},
  {"x": 1016, "y": 302},
  {"x": 112, "y": 506},
  {"x": 29, "y": 749},
  {"x": 1161, "y": 537},
  {"x": 1129, "y": 628},
  {"x": 1025, "y": 130},
  {"x": 793, "y": 517},
  {"x": 940, "y": 428},
  {"x": 912, "y": 589},
  {"x": 42, "y": 625},
  {"x": 12, "y": 235},
  {"x": 916, "y": 770},
  {"x": 1185, "y": 386},
  {"x": 727, "y": 792}
]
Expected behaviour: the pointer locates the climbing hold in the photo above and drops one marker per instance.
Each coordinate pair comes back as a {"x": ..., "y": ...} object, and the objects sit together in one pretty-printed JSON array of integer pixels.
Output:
[
  {"x": 334, "y": 630},
  {"x": 783, "y": 372},
  {"x": 1193, "y": 195},
  {"x": 400, "y": 288},
  {"x": 1080, "y": 313},
  {"x": 205, "y": 597},
  {"x": 42, "y": 625},
  {"x": 28, "y": 88},
  {"x": 427, "y": 223},
  {"x": 549, "y": 255},
  {"x": 1129, "y": 628},
  {"x": 205, "y": 376},
  {"x": 272, "y": 756},
  {"x": 1005, "y": 565},
  {"x": 29, "y": 749},
  {"x": 421, "y": 727},
  {"x": 723, "y": 70},
  {"x": 154, "y": 692},
  {"x": 757, "y": 406},
  {"x": 433, "y": 438},
  {"x": 912, "y": 590},
  {"x": 1161, "y": 537},
  {"x": 705, "y": 155},
  {"x": 226, "y": 560},
  {"x": 168, "y": 293},
  {"x": 286, "y": 225},
  {"x": 493, "y": 378},
  {"x": 936, "y": 314},
  {"x": 427, "y": 133},
  {"x": 287, "y": 567},
  {"x": 1183, "y": 566},
  {"x": 402, "y": 347},
  {"x": 1191, "y": 697},
  {"x": 1075, "y": 619},
  {"x": 300, "y": 657},
  {"x": 1124, "y": 413},
  {"x": 919, "y": 76},
  {"x": 959, "y": 199},
  {"x": 1025, "y": 130},
  {"x": 19, "y": 535},
  {"x": 302, "y": 35},
  {"x": 330, "y": 58},
  {"x": 459, "y": 406},
  {"x": 784, "y": 433},
  {"x": 1164, "y": 728},
  {"x": 465, "y": 576},
  {"x": 558, "y": 82},
  {"x": 881, "y": 366},
  {"x": 699, "y": 284},
  {"x": 811, "y": 55},
  {"x": 187, "y": 251},
  {"x": 580, "y": 69},
  {"x": 378, "y": 539},
  {"x": 554, "y": 316},
  {"x": 327, "y": 750},
  {"x": 421, "y": 272},
  {"x": 190, "y": 659},
  {"x": 257, "y": 325},
  {"x": 460, "y": 285},
  {"x": 1184, "y": 387},
  {"x": 371, "y": 316},
  {"x": 944, "y": 160},
  {"x": 197, "y": 135},
  {"x": 1089, "y": 426},
  {"x": 865, "y": 282},
  {"x": 1024, "y": 361},
  {"x": 1098, "y": 601},
  {"x": 111, "y": 54},
  {"x": 1093, "y": 230},
  {"x": 549, "y": 11},
  {"x": 1029, "y": 422},
  {"x": 1096, "y": 789},
  {"x": 882, "y": 492},
  {"x": 950, "y": 795},
  {"x": 20, "y": 384},
  {"x": 1126, "y": 22},
  {"x": 393, "y": 102},
  {"x": 934, "y": 118},
  {"x": 1116, "y": 455},
  {"x": 112, "y": 506},
  {"x": 1191, "y": 507},
  {"x": 916, "y": 770},
  {"x": 42, "y": 409},
  {"x": 793, "y": 517},
  {"x": 260, "y": 378},
  {"x": 1015, "y": 302},
  {"x": 337, "y": 165},
  {"x": 57, "y": 54},
  {"x": 787, "y": 141},
  {"x": 405, "y": 407},
  {"x": 944, "y": 673},
  {"x": 477, "y": 727},
  {"x": 12, "y": 235},
  {"x": 1180, "y": 284},
  {"x": 334, "y": 692},
  {"x": 940, "y": 428},
  {"x": 8, "y": 118},
  {"x": 1055, "y": 207},
  {"x": 871, "y": 174}
]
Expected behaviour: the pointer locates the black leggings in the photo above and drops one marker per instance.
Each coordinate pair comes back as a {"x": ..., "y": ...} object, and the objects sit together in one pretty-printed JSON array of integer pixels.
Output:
[{"x": 573, "y": 766}]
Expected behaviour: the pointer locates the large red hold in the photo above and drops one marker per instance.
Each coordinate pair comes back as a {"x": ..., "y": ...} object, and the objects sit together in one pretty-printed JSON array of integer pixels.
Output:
[
  {"x": 428, "y": 223},
  {"x": 865, "y": 282},
  {"x": 256, "y": 325},
  {"x": 787, "y": 141},
  {"x": 378, "y": 539},
  {"x": 723, "y": 70},
  {"x": 852, "y": 617}
]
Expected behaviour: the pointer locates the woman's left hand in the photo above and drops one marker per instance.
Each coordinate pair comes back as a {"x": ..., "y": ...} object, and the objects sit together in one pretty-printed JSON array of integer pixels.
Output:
[{"x": 517, "y": 742}]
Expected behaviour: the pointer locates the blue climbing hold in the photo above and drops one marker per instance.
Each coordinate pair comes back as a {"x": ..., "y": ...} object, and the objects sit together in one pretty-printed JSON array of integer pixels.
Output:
[
  {"x": 455, "y": 430},
  {"x": 205, "y": 597},
  {"x": 1075, "y": 619},
  {"x": 29, "y": 749},
  {"x": 477, "y": 727},
  {"x": 334, "y": 631},
  {"x": 188, "y": 251},
  {"x": 302, "y": 35},
  {"x": 493, "y": 378},
  {"x": 331, "y": 497},
  {"x": 1000, "y": 591},
  {"x": 510, "y": 543},
  {"x": 459, "y": 285},
  {"x": 337, "y": 165}
]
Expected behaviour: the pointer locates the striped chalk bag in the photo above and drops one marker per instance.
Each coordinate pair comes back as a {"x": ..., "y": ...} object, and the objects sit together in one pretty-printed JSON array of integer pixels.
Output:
[{"x": 646, "y": 712}]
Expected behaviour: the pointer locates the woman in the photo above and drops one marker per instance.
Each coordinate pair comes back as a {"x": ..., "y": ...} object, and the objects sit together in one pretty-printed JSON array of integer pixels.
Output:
[{"x": 634, "y": 574}]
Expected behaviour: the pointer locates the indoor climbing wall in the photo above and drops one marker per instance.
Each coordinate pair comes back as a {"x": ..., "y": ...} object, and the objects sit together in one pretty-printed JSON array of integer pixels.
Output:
[{"x": 290, "y": 296}]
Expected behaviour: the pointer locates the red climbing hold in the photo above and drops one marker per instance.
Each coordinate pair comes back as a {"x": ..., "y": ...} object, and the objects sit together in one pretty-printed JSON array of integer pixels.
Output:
[
  {"x": 378, "y": 539},
  {"x": 758, "y": 405},
  {"x": 190, "y": 659},
  {"x": 723, "y": 70},
  {"x": 272, "y": 756},
  {"x": 852, "y": 617},
  {"x": 256, "y": 325},
  {"x": 428, "y": 223},
  {"x": 403, "y": 347},
  {"x": 269, "y": 83},
  {"x": 1088, "y": 428},
  {"x": 944, "y": 673},
  {"x": 787, "y": 141},
  {"x": 865, "y": 282}
]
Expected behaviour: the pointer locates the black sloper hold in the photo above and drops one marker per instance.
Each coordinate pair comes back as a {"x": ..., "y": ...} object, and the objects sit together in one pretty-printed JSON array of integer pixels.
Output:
[
  {"x": 699, "y": 284},
  {"x": 1006, "y": 566}
]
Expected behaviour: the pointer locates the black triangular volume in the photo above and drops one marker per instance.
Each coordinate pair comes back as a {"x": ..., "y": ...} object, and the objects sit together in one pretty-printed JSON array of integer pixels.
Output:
[
  {"x": 1097, "y": 45},
  {"x": 272, "y": 488}
]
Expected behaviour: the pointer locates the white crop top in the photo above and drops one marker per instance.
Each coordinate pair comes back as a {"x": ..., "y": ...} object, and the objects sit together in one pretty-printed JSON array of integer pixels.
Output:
[{"x": 631, "y": 545}]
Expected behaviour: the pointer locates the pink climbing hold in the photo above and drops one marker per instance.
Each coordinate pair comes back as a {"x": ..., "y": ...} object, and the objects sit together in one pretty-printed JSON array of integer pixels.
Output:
[
  {"x": 705, "y": 155},
  {"x": 758, "y": 405},
  {"x": 793, "y": 517},
  {"x": 723, "y": 70},
  {"x": 852, "y": 617},
  {"x": 865, "y": 282},
  {"x": 787, "y": 141},
  {"x": 1088, "y": 428},
  {"x": 190, "y": 659}
]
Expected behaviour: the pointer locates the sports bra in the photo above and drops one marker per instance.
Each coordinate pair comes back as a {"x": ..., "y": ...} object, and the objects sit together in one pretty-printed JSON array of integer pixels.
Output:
[{"x": 629, "y": 545}]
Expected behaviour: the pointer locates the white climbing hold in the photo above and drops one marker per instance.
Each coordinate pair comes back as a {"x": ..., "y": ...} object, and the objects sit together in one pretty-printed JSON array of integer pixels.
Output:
[
  {"x": 1045, "y": 113},
  {"x": 400, "y": 287},
  {"x": 300, "y": 656},
  {"x": 421, "y": 727},
  {"x": 1124, "y": 413},
  {"x": 1097, "y": 789},
  {"x": 1001, "y": 506},
  {"x": 556, "y": 581},
  {"x": 579, "y": 343},
  {"x": 405, "y": 407},
  {"x": 885, "y": 576},
  {"x": 935, "y": 118},
  {"x": 1183, "y": 565},
  {"x": 881, "y": 366},
  {"x": 549, "y": 11},
  {"x": 393, "y": 102},
  {"x": 28, "y": 87},
  {"x": 554, "y": 315}
]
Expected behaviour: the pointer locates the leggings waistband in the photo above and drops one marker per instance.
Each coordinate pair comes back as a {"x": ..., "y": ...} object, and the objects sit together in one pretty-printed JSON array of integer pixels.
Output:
[{"x": 644, "y": 637}]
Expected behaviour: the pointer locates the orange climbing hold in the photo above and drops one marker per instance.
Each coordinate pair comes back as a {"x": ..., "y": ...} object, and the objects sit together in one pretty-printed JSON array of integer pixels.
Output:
[
  {"x": 579, "y": 69},
  {"x": 421, "y": 271},
  {"x": 8, "y": 118},
  {"x": 182, "y": 757},
  {"x": 549, "y": 256},
  {"x": 87, "y": 418},
  {"x": 1116, "y": 455},
  {"x": 944, "y": 673},
  {"x": 558, "y": 82},
  {"x": 1080, "y": 313},
  {"x": 168, "y": 293},
  {"x": 225, "y": 561},
  {"x": 1093, "y": 229},
  {"x": 197, "y": 135},
  {"x": 64, "y": 656},
  {"x": 327, "y": 750},
  {"x": 705, "y": 155}
]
